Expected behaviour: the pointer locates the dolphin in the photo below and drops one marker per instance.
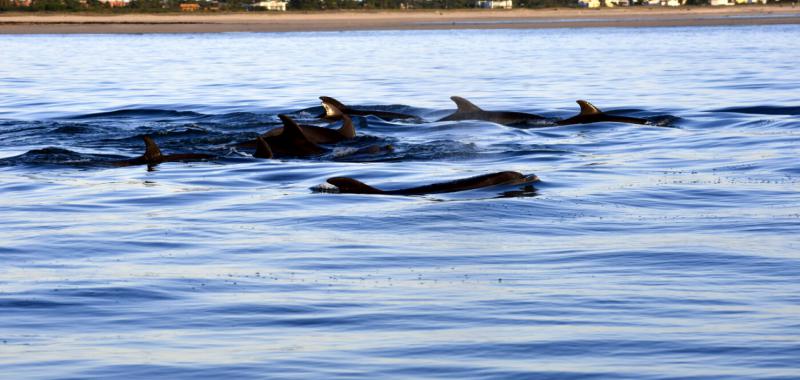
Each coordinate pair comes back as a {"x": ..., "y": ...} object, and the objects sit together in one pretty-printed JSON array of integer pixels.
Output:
[
  {"x": 353, "y": 186},
  {"x": 468, "y": 111},
  {"x": 591, "y": 114},
  {"x": 322, "y": 135},
  {"x": 315, "y": 134},
  {"x": 152, "y": 156},
  {"x": 291, "y": 141},
  {"x": 334, "y": 110}
]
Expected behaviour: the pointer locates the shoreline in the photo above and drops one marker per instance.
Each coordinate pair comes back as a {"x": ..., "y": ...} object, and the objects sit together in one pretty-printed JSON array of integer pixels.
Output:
[{"x": 138, "y": 23}]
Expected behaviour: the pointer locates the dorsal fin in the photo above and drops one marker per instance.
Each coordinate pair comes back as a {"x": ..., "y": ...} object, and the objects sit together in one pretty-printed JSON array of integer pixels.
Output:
[
  {"x": 293, "y": 141},
  {"x": 291, "y": 128},
  {"x": 331, "y": 110},
  {"x": 350, "y": 185},
  {"x": 588, "y": 108},
  {"x": 333, "y": 107},
  {"x": 262, "y": 148},
  {"x": 465, "y": 105},
  {"x": 347, "y": 129},
  {"x": 152, "y": 154}
]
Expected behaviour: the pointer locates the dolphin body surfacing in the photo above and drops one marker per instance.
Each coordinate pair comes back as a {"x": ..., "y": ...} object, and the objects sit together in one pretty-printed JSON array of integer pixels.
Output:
[
  {"x": 468, "y": 111},
  {"x": 152, "y": 156},
  {"x": 322, "y": 135},
  {"x": 334, "y": 110},
  {"x": 591, "y": 114},
  {"x": 290, "y": 141},
  {"x": 352, "y": 186}
]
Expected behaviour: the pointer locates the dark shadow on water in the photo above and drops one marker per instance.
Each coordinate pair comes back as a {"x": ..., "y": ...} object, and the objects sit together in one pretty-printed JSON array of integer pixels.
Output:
[
  {"x": 762, "y": 110},
  {"x": 139, "y": 114}
]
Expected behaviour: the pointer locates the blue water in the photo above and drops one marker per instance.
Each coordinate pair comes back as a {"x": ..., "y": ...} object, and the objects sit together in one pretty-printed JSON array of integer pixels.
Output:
[{"x": 667, "y": 251}]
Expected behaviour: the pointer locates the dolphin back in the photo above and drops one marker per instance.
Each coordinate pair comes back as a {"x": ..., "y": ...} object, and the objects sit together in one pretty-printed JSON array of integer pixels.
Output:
[
  {"x": 347, "y": 130},
  {"x": 352, "y": 186},
  {"x": 465, "y": 110},
  {"x": 591, "y": 114},
  {"x": 262, "y": 149},
  {"x": 469, "y": 111},
  {"x": 463, "y": 184}
]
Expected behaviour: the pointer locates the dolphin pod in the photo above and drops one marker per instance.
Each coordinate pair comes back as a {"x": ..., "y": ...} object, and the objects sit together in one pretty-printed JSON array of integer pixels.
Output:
[
  {"x": 588, "y": 114},
  {"x": 153, "y": 156},
  {"x": 299, "y": 140},
  {"x": 295, "y": 140},
  {"x": 466, "y": 110}
]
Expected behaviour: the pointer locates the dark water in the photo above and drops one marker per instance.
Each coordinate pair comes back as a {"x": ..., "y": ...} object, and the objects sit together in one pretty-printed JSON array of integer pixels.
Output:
[{"x": 647, "y": 252}]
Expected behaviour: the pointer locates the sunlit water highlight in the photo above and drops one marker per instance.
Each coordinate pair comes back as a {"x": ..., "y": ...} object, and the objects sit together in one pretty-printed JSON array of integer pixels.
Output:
[{"x": 646, "y": 252}]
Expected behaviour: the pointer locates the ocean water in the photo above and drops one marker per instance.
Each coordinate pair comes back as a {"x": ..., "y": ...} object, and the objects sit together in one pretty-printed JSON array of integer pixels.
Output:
[{"x": 663, "y": 251}]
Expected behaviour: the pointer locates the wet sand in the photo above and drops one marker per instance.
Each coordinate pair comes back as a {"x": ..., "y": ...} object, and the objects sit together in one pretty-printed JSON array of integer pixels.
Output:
[{"x": 21, "y": 23}]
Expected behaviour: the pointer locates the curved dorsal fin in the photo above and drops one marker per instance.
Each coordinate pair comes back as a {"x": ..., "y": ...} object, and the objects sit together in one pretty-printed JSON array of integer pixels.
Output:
[
  {"x": 464, "y": 105},
  {"x": 588, "y": 108},
  {"x": 350, "y": 185},
  {"x": 291, "y": 128},
  {"x": 331, "y": 111},
  {"x": 293, "y": 141},
  {"x": 152, "y": 154},
  {"x": 262, "y": 148},
  {"x": 347, "y": 129},
  {"x": 333, "y": 107}
]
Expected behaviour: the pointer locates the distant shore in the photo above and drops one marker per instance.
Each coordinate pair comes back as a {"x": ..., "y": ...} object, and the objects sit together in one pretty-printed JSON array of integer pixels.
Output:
[{"x": 69, "y": 23}]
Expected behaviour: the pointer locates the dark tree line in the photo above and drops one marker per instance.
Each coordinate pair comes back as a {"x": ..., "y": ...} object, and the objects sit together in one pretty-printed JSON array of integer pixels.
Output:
[
  {"x": 49, "y": 5},
  {"x": 53, "y": 6},
  {"x": 96, "y": 5},
  {"x": 322, "y": 4},
  {"x": 414, "y": 4},
  {"x": 380, "y": 4},
  {"x": 240, "y": 5}
]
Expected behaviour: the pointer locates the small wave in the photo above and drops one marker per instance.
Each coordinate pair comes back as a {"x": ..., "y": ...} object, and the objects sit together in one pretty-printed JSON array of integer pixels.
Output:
[
  {"x": 57, "y": 156},
  {"x": 667, "y": 121},
  {"x": 27, "y": 304},
  {"x": 142, "y": 113},
  {"x": 307, "y": 113},
  {"x": 116, "y": 293},
  {"x": 763, "y": 110},
  {"x": 189, "y": 130},
  {"x": 73, "y": 129},
  {"x": 439, "y": 150},
  {"x": 369, "y": 152}
]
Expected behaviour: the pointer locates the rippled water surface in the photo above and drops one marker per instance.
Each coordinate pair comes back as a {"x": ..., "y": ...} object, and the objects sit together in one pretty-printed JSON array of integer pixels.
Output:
[{"x": 663, "y": 251}]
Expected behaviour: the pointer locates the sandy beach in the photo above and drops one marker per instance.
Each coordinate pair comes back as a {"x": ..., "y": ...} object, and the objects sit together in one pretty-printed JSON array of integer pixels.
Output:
[{"x": 21, "y": 23}]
